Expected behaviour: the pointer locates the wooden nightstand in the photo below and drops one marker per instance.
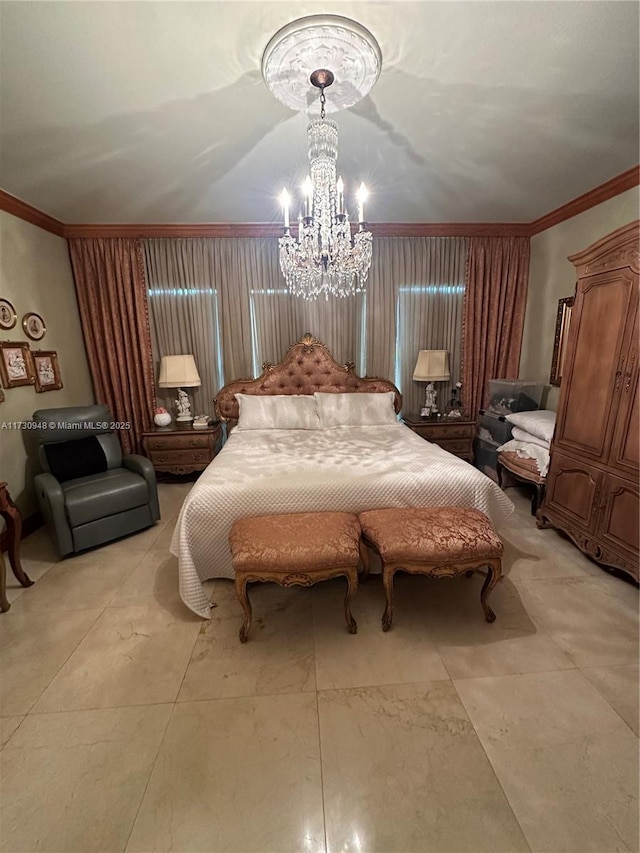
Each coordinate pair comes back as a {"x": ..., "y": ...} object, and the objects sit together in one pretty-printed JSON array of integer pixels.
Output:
[
  {"x": 182, "y": 451},
  {"x": 452, "y": 434}
]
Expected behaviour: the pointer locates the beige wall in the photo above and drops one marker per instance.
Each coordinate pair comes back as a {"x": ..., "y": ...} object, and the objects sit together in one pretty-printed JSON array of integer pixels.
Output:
[
  {"x": 35, "y": 275},
  {"x": 552, "y": 276}
]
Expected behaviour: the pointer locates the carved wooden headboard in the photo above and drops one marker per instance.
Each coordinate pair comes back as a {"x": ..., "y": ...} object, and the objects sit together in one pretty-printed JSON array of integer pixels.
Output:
[{"x": 307, "y": 367}]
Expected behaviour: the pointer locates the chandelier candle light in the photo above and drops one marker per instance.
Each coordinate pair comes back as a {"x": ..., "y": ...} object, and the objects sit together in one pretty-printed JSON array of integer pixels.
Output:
[{"x": 324, "y": 257}]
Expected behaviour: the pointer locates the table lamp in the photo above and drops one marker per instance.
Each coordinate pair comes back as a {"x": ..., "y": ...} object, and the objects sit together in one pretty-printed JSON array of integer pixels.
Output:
[
  {"x": 432, "y": 366},
  {"x": 180, "y": 371}
]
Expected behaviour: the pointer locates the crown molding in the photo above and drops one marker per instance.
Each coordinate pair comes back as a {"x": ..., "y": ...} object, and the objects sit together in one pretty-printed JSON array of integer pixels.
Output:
[
  {"x": 262, "y": 229},
  {"x": 13, "y": 205},
  {"x": 621, "y": 183},
  {"x": 627, "y": 180}
]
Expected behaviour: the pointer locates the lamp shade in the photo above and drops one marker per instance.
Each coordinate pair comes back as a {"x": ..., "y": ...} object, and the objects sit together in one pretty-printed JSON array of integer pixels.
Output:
[
  {"x": 432, "y": 366},
  {"x": 178, "y": 371}
]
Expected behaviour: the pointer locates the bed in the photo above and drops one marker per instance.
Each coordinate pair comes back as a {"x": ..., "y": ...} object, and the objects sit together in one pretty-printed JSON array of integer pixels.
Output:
[{"x": 346, "y": 468}]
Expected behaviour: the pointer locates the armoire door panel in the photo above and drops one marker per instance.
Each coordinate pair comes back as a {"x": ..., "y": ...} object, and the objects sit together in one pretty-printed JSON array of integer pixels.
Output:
[
  {"x": 572, "y": 488},
  {"x": 625, "y": 447},
  {"x": 619, "y": 519},
  {"x": 596, "y": 363}
]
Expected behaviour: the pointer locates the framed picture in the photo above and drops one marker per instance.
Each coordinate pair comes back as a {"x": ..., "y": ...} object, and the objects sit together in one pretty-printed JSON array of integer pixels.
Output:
[
  {"x": 16, "y": 366},
  {"x": 8, "y": 316},
  {"x": 563, "y": 320},
  {"x": 34, "y": 326},
  {"x": 46, "y": 369}
]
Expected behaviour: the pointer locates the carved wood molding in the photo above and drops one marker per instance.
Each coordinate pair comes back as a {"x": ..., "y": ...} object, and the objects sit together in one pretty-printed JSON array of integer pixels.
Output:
[
  {"x": 625, "y": 181},
  {"x": 24, "y": 211},
  {"x": 621, "y": 183},
  {"x": 618, "y": 249}
]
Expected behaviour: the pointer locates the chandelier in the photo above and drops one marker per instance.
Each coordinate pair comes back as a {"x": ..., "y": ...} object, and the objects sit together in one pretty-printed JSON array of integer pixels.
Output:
[{"x": 324, "y": 257}]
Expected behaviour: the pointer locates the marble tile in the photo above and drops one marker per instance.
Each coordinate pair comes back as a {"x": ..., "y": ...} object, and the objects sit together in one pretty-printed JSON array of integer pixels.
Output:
[
  {"x": 79, "y": 583},
  {"x": 619, "y": 686},
  {"x": 404, "y": 772},
  {"x": 171, "y": 496},
  {"x": 567, "y": 762},
  {"x": 132, "y": 655},
  {"x": 8, "y": 726},
  {"x": 154, "y": 579},
  {"x": 74, "y": 781},
  {"x": 39, "y": 547},
  {"x": 236, "y": 775},
  {"x": 370, "y": 657},
  {"x": 140, "y": 541},
  {"x": 594, "y": 620},
  {"x": 163, "y": 542},
  {"x": 524, "y": 559},
  {"x": 35, "y": 569},
  {"x": 33, "y": 648},
  {"x": 469, "y": 646},
  {"x": 278, "y": 657}
]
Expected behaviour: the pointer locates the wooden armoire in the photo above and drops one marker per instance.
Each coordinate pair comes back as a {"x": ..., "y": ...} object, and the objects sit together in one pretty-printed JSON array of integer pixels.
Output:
[{"x": 592, "y": 484}]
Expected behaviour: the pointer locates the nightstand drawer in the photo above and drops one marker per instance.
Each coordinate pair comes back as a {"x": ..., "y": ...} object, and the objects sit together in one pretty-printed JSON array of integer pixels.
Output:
[
  {"x": 436, "y": 432},
  {"x": 174, "y": 441},
  {"x": 180, "y": 457},
  {"x": 459, "y": 446}
]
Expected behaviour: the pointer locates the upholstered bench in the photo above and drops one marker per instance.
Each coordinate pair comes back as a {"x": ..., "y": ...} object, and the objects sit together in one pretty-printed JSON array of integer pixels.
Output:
[
  {"x": 295, "y": 548},
  {"x": 440, "y": 542}
]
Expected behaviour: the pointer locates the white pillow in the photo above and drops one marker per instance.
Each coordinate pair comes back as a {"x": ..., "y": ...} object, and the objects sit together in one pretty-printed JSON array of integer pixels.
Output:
[
  {"x": 540, "y": 423},
  {"x": 521, "y": 435},
  {"x": 277, "y": 411},
  {"x": 359, "y": 409}
]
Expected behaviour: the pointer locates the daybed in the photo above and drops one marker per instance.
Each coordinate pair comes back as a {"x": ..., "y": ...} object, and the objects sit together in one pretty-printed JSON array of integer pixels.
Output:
[{"x": 347, "y": 468}]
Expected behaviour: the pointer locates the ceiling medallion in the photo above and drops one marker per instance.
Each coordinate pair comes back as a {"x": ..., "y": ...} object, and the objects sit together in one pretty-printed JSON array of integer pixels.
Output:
[
  {"x": 321, "y": 41},
  {"x": 324, "y": 258}
]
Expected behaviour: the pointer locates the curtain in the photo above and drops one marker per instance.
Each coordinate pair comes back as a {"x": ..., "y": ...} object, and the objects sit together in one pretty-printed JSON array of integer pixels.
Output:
[
  {"x": 225, "y": 301},
  {"x": 183, "y": 309},
  {"x": 414, "y": 301},
  {"x": 494, "y": 308},
  {"x": 112, "y": 298}
]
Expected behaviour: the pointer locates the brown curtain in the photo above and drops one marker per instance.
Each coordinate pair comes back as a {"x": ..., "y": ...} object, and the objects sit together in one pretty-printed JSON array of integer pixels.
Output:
[
  {"x": 112, "y": 297},
  {"x": 493, "y": 314}
]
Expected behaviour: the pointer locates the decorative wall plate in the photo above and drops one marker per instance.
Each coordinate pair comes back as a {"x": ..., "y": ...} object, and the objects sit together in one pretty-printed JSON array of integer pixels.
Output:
[
  {"x": 8, "y": 316},
  {"x": 34, "y": 326}
]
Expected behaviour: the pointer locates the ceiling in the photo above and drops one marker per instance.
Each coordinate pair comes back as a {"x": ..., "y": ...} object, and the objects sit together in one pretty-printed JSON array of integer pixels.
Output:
[{"x": 156, "y": 112}]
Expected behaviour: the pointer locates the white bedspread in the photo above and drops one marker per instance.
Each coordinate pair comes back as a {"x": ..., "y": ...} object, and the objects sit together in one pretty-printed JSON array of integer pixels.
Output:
[{"x": 349, "y": 469}]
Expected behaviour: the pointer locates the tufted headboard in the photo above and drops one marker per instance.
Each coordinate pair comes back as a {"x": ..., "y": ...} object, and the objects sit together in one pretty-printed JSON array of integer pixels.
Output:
[{"x": 307, "y": 367}]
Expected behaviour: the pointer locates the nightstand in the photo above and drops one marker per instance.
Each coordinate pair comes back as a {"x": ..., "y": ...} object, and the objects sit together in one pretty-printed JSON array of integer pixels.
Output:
[
  {"x": 452, "y": 434},
  {"x": 182, "y": 451}
]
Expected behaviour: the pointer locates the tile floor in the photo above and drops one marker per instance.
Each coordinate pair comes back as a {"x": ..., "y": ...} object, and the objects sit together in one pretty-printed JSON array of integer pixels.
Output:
[{"x": 127, "y": 724}]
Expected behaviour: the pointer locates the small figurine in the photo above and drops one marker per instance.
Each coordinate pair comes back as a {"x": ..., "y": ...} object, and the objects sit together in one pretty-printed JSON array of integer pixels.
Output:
[
  {"x": 184, "y": 407},
  {"x": 430, "y": 396}
]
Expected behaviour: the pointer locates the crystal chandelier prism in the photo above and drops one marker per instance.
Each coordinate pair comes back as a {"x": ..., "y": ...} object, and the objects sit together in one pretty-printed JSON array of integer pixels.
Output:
[{"x": 323, "y": 257}]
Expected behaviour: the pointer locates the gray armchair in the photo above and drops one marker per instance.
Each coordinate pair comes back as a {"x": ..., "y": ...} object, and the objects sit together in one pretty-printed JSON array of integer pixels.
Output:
[{"x": 89, "y": 492}]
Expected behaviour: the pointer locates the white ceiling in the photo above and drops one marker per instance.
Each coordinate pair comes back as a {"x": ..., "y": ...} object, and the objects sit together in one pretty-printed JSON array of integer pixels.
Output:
[{"x": 133, "y": 112}]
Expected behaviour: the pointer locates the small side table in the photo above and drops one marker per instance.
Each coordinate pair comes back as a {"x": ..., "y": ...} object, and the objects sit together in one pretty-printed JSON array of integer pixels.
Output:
[
  {"x": 452, "y": 434},
  {"x": 182, "y": 451},
  {"x": 9, "y": 511}
]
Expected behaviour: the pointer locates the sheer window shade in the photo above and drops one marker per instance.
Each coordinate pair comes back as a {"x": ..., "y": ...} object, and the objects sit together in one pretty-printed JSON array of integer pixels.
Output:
[
  {"x": 183, "y": 313},
  {"x": 223, "y": 299},
  {"x": 414, "y": 301}
]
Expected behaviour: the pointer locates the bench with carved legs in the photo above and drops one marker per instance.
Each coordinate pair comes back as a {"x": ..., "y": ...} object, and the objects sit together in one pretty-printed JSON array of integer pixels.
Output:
[
  {"x": 295, "y": 549},
  {"x": 440, "y": 542}
]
